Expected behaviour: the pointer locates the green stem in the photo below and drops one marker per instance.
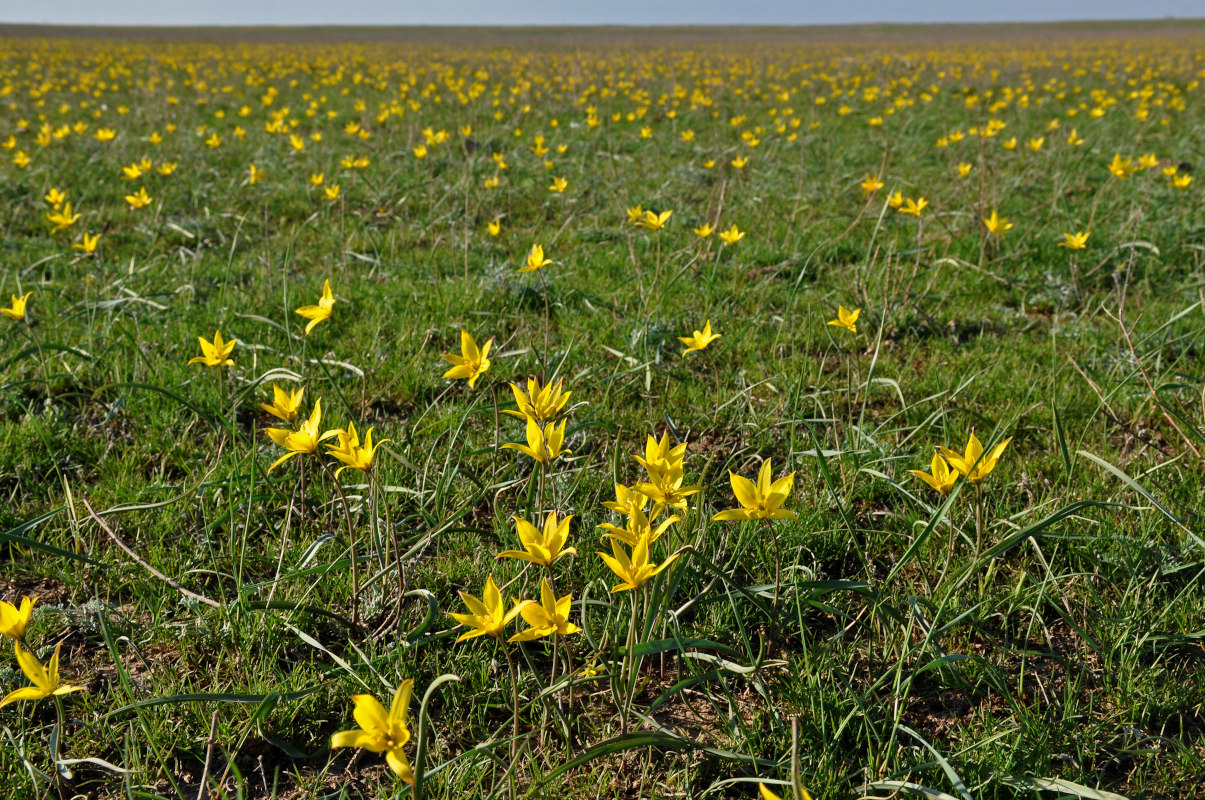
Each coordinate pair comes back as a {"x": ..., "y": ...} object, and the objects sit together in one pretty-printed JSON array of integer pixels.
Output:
[
  {"x": 351, "y": 540},
  {"x": 629, "y": 670},
  {"x": 514, "y": 734}
]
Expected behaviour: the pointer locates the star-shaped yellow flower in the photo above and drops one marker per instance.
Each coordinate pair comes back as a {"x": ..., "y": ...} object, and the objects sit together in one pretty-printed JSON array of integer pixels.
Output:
[
  {"x": 14, "y": 619},
  {"x": 974, "y": 464},
  {"x": 320, "y": 312},
  {"x": 542, "y": 547},
  {"x": 17, "y": 310},
  {"x": 549, "y": 616},
  {"x": 846, "y": 319},
  {"x": 761, "y": 500},
  {"x": 350, "y": 450},
  {"x": 487, "y": 616},
  {"x": 535, "y": 259},
  {"x": 543, "y": 444},
  {"x": 305, "y": 439},
  {"x": 1075, "y": 241},
  {"x": 215, "y": 354},
  {"x": 382, "y": 731},
  {"x": 472, "y": 362},
  {"x": 939, "y": 477},
  {"x": 698, "y": 340},
  {"x": 634, "y": 571},
  {"x": 45, "y": 680},
  {"x": 284, "y": 404}
]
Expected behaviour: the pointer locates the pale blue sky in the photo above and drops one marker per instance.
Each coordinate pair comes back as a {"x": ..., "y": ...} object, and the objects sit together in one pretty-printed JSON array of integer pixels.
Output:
[{"x": 576, "y": 12}]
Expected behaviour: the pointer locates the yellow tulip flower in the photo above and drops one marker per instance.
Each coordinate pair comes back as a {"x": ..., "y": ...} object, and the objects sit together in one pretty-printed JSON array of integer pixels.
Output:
[{"x": 382, "y": 731}]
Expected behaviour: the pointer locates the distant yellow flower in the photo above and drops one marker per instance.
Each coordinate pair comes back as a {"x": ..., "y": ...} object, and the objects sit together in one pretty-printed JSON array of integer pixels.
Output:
[
  {"x": 487, "y": 616},
  {"x": 1075, "y": 241},
  {"x": 870, "y": 184},
  {"x": 420, "y": 152},
  {"x": 214, "y": 141},
  {"x": 1121, "y": 167},
  {"x": 353, "y": 453},
  {"x": 215, "y": 354},
  {"x": 382, "y": 731},
  {"x": 88, "y": 245},
  {"x": 732, "y": 235},
  {"x": 320, "y": 312},
  {"x": 635, "y": 214},
  {"x": 1148, "y": 161},
  {"x": 846, "y": 319},
  {"x": 55, "y": 198},
  {"x": 166, "y": 168},
  {"x": 996, "y": 224},
  {"x": 62, "y": 218},
  {"x": 284, "y": 404},
  {"x": 698, "y": 340},
  {"x": 761, "y": 500},
  {"x": 964, "y": 169},
  {"x": 105, "y": 134},
  {"x": 939, "y": 477},
  {"x": 703, "y": 231},
  {"x": 254, "y": 175},
  {"x": 304, "y": 440},
  {"x": 472, "y": 362},
  {"x": 139, "y": 200},
  {"x": 14, "y": 619},
  {"x": 635, "y": 570},
  {"x": 1181, "y": 181},
  {"x": 653, "y": 221},
  {"x": 21, "y": 159},
  {"x": 895, "y": 200},
  {"x": 1035, "y": 144},
  {"x": 1074, "y": 139},
  {"x": 558, "y": 185},
  {"x": 535, "y": 259},
  {"x": 317, "y": 179},
  {"x": 739, "y": 162},
  {"x": 45, "y": 680},
  {"x": 16, "y": 311},
  {"x": 549, "y": 616},
  {"x": 544, "y": 547},
  {"x": 492, "y": 182},
  {"x": 331, "y": 192},
  {"x": 543, "y": 444},
  {"x": 914, "y": 207},
  {"x": 131, "y": 173},
  {"x": 973, "y": 463},
  {"x": 1009, "y": 144}
]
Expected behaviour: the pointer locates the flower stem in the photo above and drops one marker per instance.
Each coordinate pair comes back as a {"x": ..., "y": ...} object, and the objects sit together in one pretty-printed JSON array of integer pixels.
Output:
[
  {"x": 629, "y": 667},
  {"x": 514, "y": 740},
  {"x": 355, "y": 567}
]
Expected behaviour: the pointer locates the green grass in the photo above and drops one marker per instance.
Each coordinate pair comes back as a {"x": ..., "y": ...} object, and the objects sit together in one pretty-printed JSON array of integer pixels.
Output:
[{"x": 1064, "y": 658}]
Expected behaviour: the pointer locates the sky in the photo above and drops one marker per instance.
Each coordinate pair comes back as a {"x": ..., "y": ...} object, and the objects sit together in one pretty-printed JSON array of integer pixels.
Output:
[{"x": 577, "y": 12}]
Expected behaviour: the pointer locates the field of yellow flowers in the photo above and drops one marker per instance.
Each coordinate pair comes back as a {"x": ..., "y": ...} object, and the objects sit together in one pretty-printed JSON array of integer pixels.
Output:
[{"x": 701, "y": 416}]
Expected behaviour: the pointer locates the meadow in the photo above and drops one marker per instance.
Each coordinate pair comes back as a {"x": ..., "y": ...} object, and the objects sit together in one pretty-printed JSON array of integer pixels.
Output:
[{"x": 618, "y": 414}]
